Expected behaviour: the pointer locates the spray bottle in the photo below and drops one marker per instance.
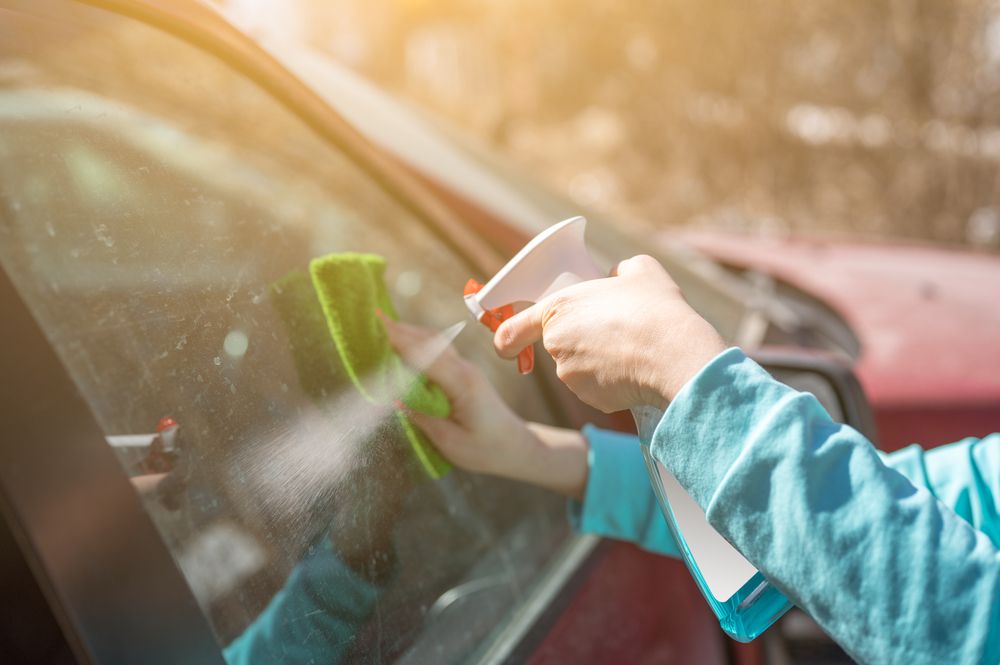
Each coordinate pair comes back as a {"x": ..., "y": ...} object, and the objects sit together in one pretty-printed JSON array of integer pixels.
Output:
[{"x": 745, "y": 603}]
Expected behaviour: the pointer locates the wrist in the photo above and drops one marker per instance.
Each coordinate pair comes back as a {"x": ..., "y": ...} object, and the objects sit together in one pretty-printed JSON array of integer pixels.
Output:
[
  {"x": 525, "y": 453},
  {"x": 558, "y": 460},
  {"x": 688, "y": 366}
]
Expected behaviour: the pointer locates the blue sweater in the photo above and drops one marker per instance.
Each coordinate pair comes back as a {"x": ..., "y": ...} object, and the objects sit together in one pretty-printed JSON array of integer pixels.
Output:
[{"x": 895, "y": 556}]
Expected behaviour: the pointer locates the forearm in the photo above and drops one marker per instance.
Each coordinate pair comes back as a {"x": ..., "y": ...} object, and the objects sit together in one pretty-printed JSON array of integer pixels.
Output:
[
  {"x": 885, "y": 568},
  {"x": 555, "y": 459},
  {"x": 618, "y": 501},
  {"x": 604, "y": 475}
]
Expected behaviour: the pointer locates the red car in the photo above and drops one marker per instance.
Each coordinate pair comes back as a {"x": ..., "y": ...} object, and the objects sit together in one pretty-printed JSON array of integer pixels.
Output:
[
  {"x": 159, "y": 174},
  {"x": 925, "y": 330}
]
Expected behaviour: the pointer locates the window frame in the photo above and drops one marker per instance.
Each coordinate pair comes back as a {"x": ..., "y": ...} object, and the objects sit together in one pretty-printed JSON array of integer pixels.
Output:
[{"x": 202, "y": 28}]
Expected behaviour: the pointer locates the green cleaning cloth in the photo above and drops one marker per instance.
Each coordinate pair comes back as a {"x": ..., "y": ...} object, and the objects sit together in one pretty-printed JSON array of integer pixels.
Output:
[
  {"x": 334, "y": 331},
  {"x": 351, "y": 287}
]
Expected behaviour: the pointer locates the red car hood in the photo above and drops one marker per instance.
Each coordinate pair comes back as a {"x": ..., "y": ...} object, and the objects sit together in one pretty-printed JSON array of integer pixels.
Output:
[{"x": 928, "y": 320}]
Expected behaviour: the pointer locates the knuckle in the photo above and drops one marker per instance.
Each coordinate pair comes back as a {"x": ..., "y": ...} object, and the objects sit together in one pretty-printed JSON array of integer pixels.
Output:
[
  {"x": 639, "y": 262},
  {"x": 559, "y": 345},
  {"x": 558, "y": 303},
  {"x": 506, "y": 335},
  {"x": 565, "y": 371},
  {"x": 645, "y": 261},
  {"x": 629, "y": 262}
]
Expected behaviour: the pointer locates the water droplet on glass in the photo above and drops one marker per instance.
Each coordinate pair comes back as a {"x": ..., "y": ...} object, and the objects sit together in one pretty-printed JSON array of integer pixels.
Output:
[
  {"x": 409, "y": 283},
  {"x": 102, "y": 234},
  {"x": 236, "y": 344}
]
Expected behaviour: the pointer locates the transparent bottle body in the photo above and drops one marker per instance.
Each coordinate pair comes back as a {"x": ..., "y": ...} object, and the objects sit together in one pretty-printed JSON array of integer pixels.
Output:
[{"x": 757, "y": 603}]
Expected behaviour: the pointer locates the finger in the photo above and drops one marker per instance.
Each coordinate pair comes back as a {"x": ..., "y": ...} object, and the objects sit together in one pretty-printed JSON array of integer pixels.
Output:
[
  {"x": 453, "y": 373},
  {"x": 443, "y": 433},
  {"x": 404, "y": 333},
  {"x": 430, "y": 353},
  {"x": 521, "y": 330},
  {"x": 637, "y": 265},
  {"x": 409, "y": 339}
]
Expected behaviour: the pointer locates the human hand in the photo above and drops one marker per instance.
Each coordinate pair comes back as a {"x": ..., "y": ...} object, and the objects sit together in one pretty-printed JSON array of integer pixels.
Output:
[
  {"x": 625, "y": 341},
  {"x": 483, "y": 434}
]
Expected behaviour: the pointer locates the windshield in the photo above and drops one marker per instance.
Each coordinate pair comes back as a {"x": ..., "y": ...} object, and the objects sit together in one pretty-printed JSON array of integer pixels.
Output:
[{"x": 153, "y": 204}]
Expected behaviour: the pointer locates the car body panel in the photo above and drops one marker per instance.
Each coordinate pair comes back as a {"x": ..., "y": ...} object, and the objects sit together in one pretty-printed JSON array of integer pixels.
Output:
[
  {"x": 662, "y": 619},
  {"x": 928, "y": 320}
]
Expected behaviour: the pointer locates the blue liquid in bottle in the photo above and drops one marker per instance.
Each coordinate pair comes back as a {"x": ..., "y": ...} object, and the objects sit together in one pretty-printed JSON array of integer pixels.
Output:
[{"x": 745, "y": 603}]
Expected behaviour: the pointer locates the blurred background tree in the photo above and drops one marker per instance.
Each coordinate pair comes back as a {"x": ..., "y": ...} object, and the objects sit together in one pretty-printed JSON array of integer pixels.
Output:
[{"x": 871, "y": 119}]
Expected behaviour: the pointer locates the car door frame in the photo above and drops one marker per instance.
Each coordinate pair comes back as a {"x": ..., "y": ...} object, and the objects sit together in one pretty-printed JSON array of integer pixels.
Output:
[{"x": 111, "y": 582}]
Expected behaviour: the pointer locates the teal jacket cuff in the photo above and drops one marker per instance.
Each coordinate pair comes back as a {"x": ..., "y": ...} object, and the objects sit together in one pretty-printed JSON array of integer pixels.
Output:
[
  {"x": 619, "y": 502},
  {"x": 703, "y": 430}
]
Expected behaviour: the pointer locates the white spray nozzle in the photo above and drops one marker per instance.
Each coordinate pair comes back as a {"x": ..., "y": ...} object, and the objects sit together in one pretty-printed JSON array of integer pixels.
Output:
[
  {"x": 554, "y": 259},
  {"x": 473, "y": 304}
]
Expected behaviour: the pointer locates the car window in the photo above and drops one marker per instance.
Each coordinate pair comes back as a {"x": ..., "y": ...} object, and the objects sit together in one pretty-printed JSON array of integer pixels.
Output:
[{"x": 151, "y": 200}]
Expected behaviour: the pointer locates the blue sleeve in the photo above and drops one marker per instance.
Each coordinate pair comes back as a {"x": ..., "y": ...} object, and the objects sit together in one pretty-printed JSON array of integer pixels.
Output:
[
  {"x": 312, "y": 619},
  {"x": 619, "y": 501},
  {"x": 965, "y": 476},
  {"x": 888, "y": 570}
]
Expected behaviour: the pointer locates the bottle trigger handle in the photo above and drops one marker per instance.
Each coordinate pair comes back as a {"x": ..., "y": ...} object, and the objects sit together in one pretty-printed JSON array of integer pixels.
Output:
[{"x": 492, "y": 318}]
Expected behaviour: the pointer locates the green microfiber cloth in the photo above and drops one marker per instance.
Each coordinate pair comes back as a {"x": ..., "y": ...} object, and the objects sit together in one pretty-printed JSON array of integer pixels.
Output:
[{"x": 334, "y": 330}]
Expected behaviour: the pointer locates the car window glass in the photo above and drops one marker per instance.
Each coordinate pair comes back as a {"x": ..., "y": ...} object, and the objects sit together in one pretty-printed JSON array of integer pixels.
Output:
[{"x": 150, "y": 201}]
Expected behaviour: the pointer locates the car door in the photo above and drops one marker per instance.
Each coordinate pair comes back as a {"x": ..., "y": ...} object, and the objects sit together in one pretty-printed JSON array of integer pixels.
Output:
[{"x": 152, "y": 200}]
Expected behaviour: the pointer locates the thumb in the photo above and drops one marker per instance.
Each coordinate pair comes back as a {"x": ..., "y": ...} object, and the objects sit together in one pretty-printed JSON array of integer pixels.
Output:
[{"x": 520, "y": 330}]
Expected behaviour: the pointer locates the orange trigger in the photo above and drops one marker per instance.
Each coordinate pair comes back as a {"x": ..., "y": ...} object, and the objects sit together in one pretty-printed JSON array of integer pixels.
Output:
[
  {"x": 492, "y": 318},
  {"x": 526, "y": 360}
]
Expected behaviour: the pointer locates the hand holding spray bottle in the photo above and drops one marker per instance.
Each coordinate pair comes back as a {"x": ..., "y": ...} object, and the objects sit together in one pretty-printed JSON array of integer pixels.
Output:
[{"x": 745, "y": 603}]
